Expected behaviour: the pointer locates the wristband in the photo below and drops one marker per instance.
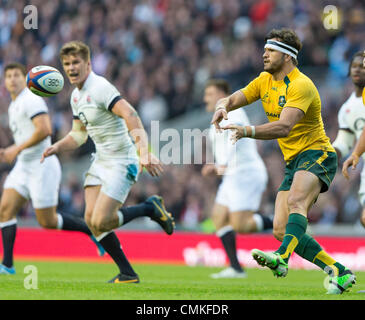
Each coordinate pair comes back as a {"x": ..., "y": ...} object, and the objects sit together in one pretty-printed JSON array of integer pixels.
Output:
[
  {"x": 244, "y": 131},
  {"x": 253, "y": 131},
  {"x": 79, "y": 137}
]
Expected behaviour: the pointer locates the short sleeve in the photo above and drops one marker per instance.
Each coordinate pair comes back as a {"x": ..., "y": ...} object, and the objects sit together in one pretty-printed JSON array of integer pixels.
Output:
[
  {"x": 75, "y": 114},
  {"x": 252, "y": 90},
  {"x": 342, "y": 123},
  {"x": 35, "y": 107},
  {"x": 300, "y": 95},
  {"x": 108, "y": 95}
]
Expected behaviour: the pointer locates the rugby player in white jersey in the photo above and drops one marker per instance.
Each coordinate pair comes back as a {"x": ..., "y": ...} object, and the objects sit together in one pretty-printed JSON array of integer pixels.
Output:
[
  {"x": 29, "y": 179},
  {"x": 235, "y": 208},
  {"x": 101, "y": 112},
  {"x": 351, "y": 120}
]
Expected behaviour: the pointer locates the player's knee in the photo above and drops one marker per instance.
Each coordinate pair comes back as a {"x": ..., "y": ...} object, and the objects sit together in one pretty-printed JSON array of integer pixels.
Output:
[
  {"x": 218, "y": 222},
  {"x": 236, "y": 226},
  {"x": 5, "y": 212},
  {"x": 88, "y": 219},
  {"x": 47, "y": 223},
  {"x": 296, "y": 202},
  {"x": 240, "y": 225},
  {"x": 100, "y": 224}
]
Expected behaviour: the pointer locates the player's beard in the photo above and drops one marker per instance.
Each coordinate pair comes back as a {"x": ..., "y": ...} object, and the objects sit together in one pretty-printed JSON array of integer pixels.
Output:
[{"x": 276, "y": 66}]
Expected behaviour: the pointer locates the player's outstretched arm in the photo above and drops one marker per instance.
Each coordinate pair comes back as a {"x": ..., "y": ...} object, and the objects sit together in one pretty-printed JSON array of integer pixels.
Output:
[
  {"x": 124, "y": 110},
  {"x": 273, "y": 130},
  {"x": 225, "y": 105},
  {"x": 353, "y": 160},
  {"x": 42, "y": 129},
  {"x": 74, "y": 139},
  {"x": 343, "y": 143}
]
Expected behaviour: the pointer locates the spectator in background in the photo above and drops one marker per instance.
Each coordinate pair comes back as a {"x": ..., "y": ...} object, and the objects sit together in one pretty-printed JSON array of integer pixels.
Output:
[{"x": 171, "y": 47}]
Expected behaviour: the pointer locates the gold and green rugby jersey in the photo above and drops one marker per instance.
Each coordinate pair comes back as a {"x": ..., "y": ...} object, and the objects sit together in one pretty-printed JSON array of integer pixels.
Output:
[
  {"x": 363, "y": 96},
  {"x": 296, "y": 90}
]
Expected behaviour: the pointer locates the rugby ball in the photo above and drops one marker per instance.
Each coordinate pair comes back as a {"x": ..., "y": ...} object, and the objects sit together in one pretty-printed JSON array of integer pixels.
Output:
[{"x": 45, "y": 81}]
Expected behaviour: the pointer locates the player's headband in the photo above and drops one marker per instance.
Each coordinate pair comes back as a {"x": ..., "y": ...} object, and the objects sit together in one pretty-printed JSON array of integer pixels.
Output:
[{"x": 282, "y": 47}]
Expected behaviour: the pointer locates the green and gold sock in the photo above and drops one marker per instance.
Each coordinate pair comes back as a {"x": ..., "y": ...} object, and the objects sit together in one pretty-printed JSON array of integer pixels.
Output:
[
  {"x": 309, "y": 249},
  {"x": 295, "y": 229}
]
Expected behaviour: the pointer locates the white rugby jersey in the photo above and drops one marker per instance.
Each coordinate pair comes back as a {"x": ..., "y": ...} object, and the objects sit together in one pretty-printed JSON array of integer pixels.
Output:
[
  {"x": 92, "y": 104},
  {"x": 21, "y": 111},
  {"x": 352, "y": 115},
  {"x": 241, "y": 156}
]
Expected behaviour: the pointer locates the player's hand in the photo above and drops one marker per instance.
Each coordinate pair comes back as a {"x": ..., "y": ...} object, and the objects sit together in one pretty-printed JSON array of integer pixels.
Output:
[
  {"x": 237, "y": 132},
  {"x": 152, "y": 164},
  {"x": 218, "y": 116},
  {"x": 221, "y": 170},
  {"x": 209, "y": 169},
  {"x": 49, "y": 151},
  {"x": 9, "y": 154},
  {"x": 353, "y": 160}
]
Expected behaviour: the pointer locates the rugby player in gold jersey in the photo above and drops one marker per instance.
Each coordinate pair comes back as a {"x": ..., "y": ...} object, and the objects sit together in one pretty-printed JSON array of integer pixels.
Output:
[{"x": 293, "y": 107}]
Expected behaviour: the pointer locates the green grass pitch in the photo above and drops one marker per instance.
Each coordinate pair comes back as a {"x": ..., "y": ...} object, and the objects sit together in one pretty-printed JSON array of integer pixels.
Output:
[{"x": 82, "y": 281}]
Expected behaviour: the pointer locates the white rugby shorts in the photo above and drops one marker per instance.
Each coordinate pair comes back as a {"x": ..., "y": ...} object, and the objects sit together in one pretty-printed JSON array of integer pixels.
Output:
[
  {"x": 242, "y": 191},
  {"x": 35, "y": 181},
  {"x": 116, "y": 177}
]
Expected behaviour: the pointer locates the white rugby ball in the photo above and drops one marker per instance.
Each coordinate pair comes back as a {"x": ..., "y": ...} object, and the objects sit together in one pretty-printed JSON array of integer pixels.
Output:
[{"x": 45, "y": 81}]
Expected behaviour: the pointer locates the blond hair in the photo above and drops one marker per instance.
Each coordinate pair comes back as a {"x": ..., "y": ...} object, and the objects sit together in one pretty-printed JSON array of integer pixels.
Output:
[{"x": 75, "y": 48}]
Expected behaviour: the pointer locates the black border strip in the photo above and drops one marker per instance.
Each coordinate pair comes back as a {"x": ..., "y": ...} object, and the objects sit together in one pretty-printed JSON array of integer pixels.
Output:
[
  {"x": 38, "y": 114},
  {"x": 114, "y": 101}
]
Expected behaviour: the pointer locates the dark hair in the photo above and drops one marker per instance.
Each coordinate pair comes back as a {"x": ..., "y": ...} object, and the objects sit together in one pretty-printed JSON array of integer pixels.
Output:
[
  {"x": 220, "y": 84},
  {"x": 286, "y": 36},
  {"x": 357, "y": 54},
  {"x": 16, "y": 65}
]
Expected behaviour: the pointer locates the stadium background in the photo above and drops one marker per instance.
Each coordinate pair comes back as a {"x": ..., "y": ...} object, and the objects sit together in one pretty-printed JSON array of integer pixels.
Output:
[{"x": 159, "y": 53}]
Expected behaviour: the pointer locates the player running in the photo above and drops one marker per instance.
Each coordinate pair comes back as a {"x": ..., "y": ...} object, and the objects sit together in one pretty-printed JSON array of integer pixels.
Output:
[
  {"x": 29, "y": 179},
  {"x": 351, "y": 119},
  {"x": 101, "y": 112},
  {"x": 235, "y": 208},
  {"x": 293, "y": 107}
]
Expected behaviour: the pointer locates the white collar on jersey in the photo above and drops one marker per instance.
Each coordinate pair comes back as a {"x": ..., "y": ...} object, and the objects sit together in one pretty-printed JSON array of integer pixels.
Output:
[
  {"x": 24, "y": 91},
  {"x": 88, "y": 79}
]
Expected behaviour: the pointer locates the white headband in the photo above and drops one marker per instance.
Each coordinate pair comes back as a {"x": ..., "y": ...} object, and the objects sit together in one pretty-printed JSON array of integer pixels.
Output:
[{"x": 282, "y": 47}]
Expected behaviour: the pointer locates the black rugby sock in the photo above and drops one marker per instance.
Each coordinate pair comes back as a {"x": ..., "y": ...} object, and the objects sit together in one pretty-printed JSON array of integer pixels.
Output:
[
  {"x": 228, "y": 238},
  {"x": 8, "y": 232},
  {"x": 111, "y": 244},
  {"x": 72, "y": 223},
  {"x": 132, "y": 212}
]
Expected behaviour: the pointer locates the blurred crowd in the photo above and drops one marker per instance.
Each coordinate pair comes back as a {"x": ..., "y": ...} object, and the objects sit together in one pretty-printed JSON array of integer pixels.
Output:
[{"x": 159, "y": 54}]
